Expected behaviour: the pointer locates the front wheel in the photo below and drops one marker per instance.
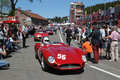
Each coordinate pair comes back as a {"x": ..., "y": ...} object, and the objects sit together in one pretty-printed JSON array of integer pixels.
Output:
[
  {"x": 36, "y": 56},
  {"x": 44, "y": 66}
]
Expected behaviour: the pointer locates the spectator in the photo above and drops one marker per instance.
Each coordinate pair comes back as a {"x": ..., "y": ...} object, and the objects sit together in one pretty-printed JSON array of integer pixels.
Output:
[
  {"x": 12, "y": 45},
  {"x": 13, "y": 29},
  {"x": 55, "y": 30},
  {"x": 3, "y": 52},
  {"x": 83, "y": 33},
  {"x": 27, "y": 31},
  {"x": 5, "y": 28},
  {"x": 80, "y": 31},
  {"x": 88, "y": 48},
  {"x": 1, "y": 34},
  {"x": 20, "y": 32},
  {"x": 76, "y": 33},
  {"x": 89, "y": 31},
  {"x": 68, "y": 34},
  {"x": 118, "y": 29},
  {"x": 108, "y": 46},
  {"x": 61, "y": 29},
  {"x": 115, "y": 36},
  {"x": 95, "y": 43},
  {"x": 24, "y": 32},
  {"x": 102, "y": 45},
  {"x": 33, "y": 30},
  {"x": 108, "y": 29}
]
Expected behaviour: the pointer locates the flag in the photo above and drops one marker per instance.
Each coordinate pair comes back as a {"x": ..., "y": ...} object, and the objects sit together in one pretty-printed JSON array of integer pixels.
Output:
[{"x": 85, "y": 12}]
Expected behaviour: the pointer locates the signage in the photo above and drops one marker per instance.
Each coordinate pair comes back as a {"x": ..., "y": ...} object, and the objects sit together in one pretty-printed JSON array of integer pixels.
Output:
[
  {"x": 28, "y": 19},
  {"x": 112, "y": 10}
]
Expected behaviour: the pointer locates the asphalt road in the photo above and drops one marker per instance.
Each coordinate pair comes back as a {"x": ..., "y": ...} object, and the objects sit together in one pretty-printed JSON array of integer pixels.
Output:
[{"x": 24, "y": 66}]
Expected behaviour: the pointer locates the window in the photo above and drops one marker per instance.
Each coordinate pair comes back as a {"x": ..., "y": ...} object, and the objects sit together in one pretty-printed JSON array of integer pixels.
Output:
[
  {"x": 21, "y": 14},
  {"x": 80, "y": 7},
  {"x": 71, "y": 6},
  {"x": 23, "y": 20}
]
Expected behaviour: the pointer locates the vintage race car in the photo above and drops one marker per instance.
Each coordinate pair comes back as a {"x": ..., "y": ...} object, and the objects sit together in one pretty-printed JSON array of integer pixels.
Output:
[
  {"x": 39, "y": 34},
  {"x": 59, "y": 56},
  {"x": 49, "y": 31}
]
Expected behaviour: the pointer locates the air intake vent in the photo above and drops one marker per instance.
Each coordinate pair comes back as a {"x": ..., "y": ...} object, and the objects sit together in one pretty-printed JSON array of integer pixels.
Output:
[{"x": 67, "y": 66}]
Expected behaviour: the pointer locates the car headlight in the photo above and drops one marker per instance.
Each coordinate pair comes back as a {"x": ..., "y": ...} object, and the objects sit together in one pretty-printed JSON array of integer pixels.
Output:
[
  {"x": 84, "y": 58},
  {"x": 51, "y": 59},
  {"x": 38, "y": 35}
]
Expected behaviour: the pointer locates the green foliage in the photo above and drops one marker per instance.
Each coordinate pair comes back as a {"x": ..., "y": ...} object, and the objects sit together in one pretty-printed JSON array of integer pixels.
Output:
[
  {"x": 4, "y": 4},
  {"x": 58, "y": 19},
  {"x": 101, "y": 6},
  {"x": 11, "y": 13}
]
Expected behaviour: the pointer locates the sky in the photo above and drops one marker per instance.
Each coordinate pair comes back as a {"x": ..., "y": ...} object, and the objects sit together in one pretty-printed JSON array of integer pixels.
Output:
[{"x": 52, "y": 8}]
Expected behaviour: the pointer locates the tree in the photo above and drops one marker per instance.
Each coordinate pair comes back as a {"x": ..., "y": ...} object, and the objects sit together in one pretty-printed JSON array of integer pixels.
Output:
[
  {"x": 14, "y": 2},
  {"x": 101, "y": 6},
  {"x": 4, "y": 4}
]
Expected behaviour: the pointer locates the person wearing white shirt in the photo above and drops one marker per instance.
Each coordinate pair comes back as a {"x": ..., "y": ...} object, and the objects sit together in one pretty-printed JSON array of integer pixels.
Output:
[
  {"x": 12, "y": 43},
  {"x": 24, "y": 32}
]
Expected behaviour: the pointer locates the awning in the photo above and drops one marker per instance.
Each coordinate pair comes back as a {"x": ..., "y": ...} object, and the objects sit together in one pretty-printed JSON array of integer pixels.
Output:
[{"x": 11, "y": 22}]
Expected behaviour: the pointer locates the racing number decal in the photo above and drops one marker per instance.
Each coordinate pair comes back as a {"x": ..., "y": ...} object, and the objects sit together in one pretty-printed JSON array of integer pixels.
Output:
[{"x": 60, "y": 56}]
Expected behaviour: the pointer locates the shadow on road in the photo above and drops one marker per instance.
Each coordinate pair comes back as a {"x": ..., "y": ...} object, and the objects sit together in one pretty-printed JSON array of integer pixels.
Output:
[
  {"x": 4, "y": 68},
  {"x": 65, "y": 72}
]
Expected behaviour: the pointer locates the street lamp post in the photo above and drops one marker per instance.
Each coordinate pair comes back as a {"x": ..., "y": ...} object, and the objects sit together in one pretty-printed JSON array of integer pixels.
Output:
[{"x": 105, "y": 9}]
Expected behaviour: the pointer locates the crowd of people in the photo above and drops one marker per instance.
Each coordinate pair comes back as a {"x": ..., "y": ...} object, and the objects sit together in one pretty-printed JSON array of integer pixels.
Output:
[
  {"x": 10, "y": 39},
  {"x": 101, "y": 40}
]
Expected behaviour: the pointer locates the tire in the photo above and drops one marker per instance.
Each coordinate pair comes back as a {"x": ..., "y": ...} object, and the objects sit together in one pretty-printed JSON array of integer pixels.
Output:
[
  {"x": 44, "y": 66},
  {"x": 36, "y": 56}
]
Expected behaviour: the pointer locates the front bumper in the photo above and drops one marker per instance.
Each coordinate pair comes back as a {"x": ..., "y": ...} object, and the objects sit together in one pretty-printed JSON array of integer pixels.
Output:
[{"x": 68, "y": 66}]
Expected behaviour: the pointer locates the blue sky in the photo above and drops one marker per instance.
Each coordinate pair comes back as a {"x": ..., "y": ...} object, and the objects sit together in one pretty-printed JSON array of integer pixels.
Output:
[{"x": 52, "y": 8}]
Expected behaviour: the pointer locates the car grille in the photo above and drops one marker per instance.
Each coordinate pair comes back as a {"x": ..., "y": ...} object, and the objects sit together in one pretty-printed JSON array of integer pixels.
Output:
[
  {"x": 68, "y": 66},
  {"x": 39, "y": 37}
]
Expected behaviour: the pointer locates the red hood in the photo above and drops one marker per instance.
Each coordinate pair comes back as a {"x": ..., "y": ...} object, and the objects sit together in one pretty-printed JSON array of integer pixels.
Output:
[
  {"x": 73, "y": 55},
  {"x": 42, "y": 34}
]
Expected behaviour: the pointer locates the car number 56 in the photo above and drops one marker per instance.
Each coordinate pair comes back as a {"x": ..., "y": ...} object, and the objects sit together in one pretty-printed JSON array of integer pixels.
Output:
[{"x": 60, "y": 56}]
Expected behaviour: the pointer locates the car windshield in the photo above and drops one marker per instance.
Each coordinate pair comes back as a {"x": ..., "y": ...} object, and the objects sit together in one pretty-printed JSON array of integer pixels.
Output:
[
  {"x": 48, "y": 30},
  {"x": 41, "y": 31}
]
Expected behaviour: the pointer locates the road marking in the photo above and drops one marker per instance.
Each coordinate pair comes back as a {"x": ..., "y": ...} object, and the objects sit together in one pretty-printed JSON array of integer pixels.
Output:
[
  {"x": 112, "y": 74},
  {"x": 61, "y": 38}
]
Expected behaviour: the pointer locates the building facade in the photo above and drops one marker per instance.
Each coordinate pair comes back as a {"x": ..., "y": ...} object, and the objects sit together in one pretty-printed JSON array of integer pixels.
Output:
[
  {"x": 3, "y": 15},
  {"x": 76, "y": 11},
  {"x": 30, "y": 18}
]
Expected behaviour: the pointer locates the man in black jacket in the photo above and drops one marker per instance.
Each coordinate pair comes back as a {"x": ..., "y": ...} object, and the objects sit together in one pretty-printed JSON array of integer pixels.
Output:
[{"x": 68, "y": 34}]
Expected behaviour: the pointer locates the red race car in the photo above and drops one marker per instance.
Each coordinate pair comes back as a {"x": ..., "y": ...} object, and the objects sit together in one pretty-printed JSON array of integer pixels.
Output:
[
  {"x": 39, "y": 34},
  {"x": 49, "y": 31},
  {"x": 59, "y": 56}
]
